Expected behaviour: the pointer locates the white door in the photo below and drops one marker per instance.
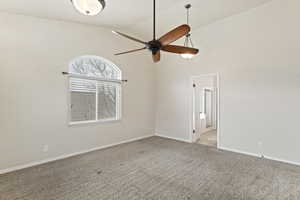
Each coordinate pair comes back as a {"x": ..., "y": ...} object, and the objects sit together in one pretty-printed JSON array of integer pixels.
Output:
[
  {"x": 208, "y": 107},
  {"x": 200, "y": 119}
]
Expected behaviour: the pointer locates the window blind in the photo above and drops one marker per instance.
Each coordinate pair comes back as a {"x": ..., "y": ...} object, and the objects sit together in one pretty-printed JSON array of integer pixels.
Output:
[
  {"x": 82, "y": 85},
  {"x": 93, "y": 100}
]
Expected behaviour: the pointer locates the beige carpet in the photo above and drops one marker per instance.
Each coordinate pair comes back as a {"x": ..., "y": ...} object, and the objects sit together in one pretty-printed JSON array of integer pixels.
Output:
[{"x": 155, "y": 169}]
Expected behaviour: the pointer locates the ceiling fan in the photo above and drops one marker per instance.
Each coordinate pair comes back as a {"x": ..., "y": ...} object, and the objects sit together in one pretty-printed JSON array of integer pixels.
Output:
[{"x": 163, "y": 43}]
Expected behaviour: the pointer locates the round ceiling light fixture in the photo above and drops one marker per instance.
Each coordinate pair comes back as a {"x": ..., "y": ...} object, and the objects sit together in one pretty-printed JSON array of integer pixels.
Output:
[{"x": 89, "y": 7}]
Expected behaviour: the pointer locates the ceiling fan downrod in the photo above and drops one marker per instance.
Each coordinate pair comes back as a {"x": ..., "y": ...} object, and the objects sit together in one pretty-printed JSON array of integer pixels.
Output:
[{"x": 154, "y": 19}]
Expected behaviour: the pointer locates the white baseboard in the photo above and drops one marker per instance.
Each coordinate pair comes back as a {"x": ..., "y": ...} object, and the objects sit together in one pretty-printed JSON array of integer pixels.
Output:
[
  {"x": 36, "y": 163},
  {"x": 172, "y": 138},
  {"x": 32, "y": 164},
  {"x": 282, "y": 160},
  {"x": 259, "y": 156},
  {"x": 239, "y": 152}
]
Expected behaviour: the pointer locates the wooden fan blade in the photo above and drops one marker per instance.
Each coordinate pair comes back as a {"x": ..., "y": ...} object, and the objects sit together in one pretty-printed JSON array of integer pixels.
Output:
[
  {"x": 156, "y": 57},
  {"x": 129, "y": 37},
  {"x": 180, "y": 49},
  {"x": 175, "y": 34},
  {"x": 135, "y": 50}
]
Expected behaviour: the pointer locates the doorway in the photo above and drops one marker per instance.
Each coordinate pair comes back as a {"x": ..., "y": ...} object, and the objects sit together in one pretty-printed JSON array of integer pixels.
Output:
[{"x": 206, "y": 110}]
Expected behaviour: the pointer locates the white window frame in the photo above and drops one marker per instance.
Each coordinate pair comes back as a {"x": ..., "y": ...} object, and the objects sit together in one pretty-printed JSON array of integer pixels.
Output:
[{"x": 116, "y": 82}]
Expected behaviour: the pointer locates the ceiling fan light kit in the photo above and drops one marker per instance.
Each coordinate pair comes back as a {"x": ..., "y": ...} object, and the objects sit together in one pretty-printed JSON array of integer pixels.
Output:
[
  {"x": 89, "y": 7},
  {"x": 188, "y": 43},
  {"x": 188, "y": 40},
  {"x": 164, "y": 42}
]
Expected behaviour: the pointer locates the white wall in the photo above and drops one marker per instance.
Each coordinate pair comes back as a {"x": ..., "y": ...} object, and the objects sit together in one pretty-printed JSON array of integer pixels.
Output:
[
  {"x": 33, "y": 93},
  {"x": 257, "y": 56}
]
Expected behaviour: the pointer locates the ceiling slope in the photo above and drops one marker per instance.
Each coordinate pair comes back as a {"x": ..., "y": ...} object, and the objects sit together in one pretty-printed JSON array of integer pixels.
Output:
[{"x": 135, "y": 14}]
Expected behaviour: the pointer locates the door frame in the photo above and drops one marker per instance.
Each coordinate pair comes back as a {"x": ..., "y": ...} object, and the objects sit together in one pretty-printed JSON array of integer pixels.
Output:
[{"x": 192, "y": 107}]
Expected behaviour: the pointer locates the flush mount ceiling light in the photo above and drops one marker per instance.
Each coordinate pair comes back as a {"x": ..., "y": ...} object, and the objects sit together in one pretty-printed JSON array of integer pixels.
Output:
[
  {"x": 89, "y": 7},
  {"x": 188, "y": 40}
]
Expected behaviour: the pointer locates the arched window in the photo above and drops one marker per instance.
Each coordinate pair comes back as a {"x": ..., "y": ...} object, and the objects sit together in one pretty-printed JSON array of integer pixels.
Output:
[{"x": 95, "y": 90}]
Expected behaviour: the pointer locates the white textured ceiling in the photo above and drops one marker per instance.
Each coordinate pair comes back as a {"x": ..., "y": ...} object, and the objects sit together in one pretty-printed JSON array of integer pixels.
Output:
[{"x": 133, "y": 13}]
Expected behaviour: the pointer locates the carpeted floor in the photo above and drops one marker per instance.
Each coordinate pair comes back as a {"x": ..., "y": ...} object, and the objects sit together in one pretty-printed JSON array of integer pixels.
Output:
[{"x": 155, "y": 169}]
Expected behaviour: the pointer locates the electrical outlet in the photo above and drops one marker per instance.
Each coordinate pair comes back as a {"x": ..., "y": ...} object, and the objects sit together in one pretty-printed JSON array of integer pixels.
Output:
[
  {"x": 260, "y": 144},
  {"x": 45, "y": 148}
]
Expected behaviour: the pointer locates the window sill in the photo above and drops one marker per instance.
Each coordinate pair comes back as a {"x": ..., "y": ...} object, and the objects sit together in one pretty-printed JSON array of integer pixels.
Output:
[{"x": 94, "y": 122}]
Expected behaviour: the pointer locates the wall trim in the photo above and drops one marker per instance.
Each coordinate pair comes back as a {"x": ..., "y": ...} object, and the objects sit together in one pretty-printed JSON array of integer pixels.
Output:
[
  {"x": 259, "y": 156},
  {"x": 172, "y": 138},
  {"x": 36, "y": 163},
  {"x": 282, "y": 160},
  {"x": 234, "y": 150},
  {"x": 239, "y": 151}
]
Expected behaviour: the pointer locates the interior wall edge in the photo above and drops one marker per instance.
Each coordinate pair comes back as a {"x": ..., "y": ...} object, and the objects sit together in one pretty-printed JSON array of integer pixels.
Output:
[
  {"x": 58, "y": 20},
  {"x": 172, "y": 138},
  {"x": 258, "y": 156}
]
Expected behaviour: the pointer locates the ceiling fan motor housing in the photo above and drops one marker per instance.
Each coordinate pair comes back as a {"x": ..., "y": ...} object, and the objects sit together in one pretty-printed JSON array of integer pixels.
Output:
[
  {"x": 154, "y": 46},
  {"x": 188, "y": 6}
]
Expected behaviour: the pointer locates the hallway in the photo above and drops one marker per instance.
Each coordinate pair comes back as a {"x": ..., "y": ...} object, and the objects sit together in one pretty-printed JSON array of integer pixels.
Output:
[{"x": 209, "y": 138}]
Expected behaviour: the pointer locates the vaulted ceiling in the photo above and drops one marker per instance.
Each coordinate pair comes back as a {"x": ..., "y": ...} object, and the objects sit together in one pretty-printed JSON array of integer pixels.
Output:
[{"x": 125, "y": 14}]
